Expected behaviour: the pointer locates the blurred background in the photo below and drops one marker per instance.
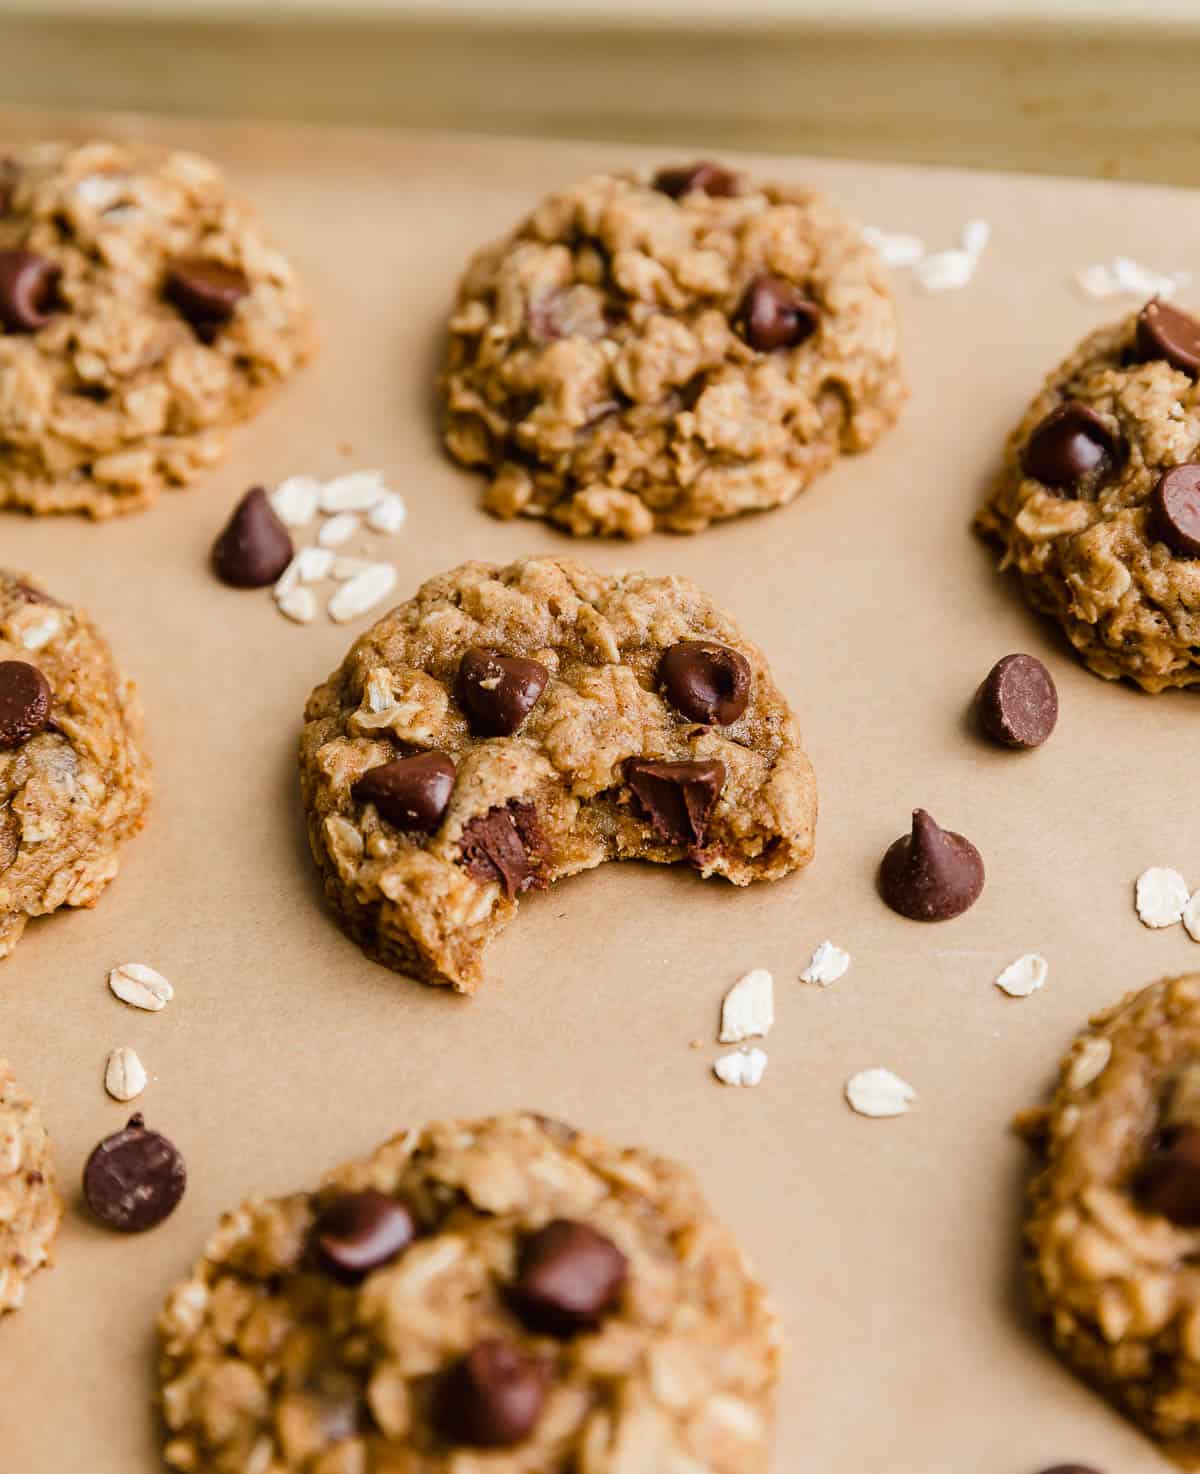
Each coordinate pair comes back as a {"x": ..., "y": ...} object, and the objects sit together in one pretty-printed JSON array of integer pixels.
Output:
[{"x": 1095, "y": 87}]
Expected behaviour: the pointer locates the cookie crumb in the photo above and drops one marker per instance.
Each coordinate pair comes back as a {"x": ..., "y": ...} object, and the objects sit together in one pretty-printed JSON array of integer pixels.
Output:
[
  {"x": 1161, "y": 896},
  {"x": 878, "y": 1093},
  {"x": 124, "y": 1074},
  {"x": 749, "y": 1008},
  {"x": 743, "y": 1068},
  {"x": 1024, "y": 976},
  {"x": 827, "y": 964},
  {"x": 136, "y": 984}
]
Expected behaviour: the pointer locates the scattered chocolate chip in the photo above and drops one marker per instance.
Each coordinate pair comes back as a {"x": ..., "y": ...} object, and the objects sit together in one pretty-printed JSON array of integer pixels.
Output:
[
  {"x": 24, "y": 702},
  {"x": 1164, "y": 331},
  {"x": 500, "y": 845},
  {"x": 1169, "y": 1183},
  {"x": 411, "y": 792},
  {"x": 775, "y": 314},
  {"x": 705, "y": 682},
  {"x": 498, "y": 692},
  {"x": 930, "y": 874},
  {"x": 1070, "y": 1469},
  {"x": 561, "y": 1132},
  {"x": 134, "y": 1178},
  {"x": 677, "y": 798},
  {"x": 360, "y": 1232},
  {"x": 569, "y": 1276},
  {"x": 32, "y": 595},
  {"x": 705, "y": 176},
  {"x": 494, "y": 1397},
  {"x": 1071, "y": 446},
  {"x": 28, "y": 286},
  {"x": 205, "y": 292},
  {"x": 1017, "y": 704},
  {"x": 255, "y": 547},
  {"x": 1174, "y": 516}
]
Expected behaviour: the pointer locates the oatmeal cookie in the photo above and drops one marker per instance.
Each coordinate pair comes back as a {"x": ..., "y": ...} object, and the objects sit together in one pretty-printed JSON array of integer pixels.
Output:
[
  {"x": 74, "y": 778},
  {"x": 507, "y": 1294},
  {"x": 1113, "y": 1239},
  {"x": 510, "y": 726},
  {"x": 142, "y": 312},
  {"x": 663, "y": 352},
  {"x": 30, "y": 1207},
  {"x": 1098, "y": 504}
]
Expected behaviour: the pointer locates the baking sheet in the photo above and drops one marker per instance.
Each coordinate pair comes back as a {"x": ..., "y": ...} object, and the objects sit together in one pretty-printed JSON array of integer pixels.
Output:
[{"x": 891, "y": 1246}]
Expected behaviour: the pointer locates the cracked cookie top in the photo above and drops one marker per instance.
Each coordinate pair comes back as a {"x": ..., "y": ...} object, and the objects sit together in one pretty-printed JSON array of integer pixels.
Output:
[
  {"x": 665, "y": 351},
  {"x": 30, "y": 1207}
]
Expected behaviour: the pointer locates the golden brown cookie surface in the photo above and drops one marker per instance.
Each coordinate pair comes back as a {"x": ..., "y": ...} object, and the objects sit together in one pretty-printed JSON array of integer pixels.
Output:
[{"x": 30, "y": 1207}]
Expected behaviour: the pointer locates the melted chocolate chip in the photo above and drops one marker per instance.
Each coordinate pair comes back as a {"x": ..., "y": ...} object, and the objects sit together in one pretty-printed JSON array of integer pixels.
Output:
[
  {"x": 677, "y": 798},
  {"x": 705, "y": 176},
  {"x": 24, "y": 702},
  {"x": 28, "y": 288},
  {"x": 775, "y": 314},
  {"x": 254, "y": 547},
  {"x": 494, "y": 1397},
  {"x": 569, "y": 1277},
  {"x": 705, "y": 682},
  {"x": 1174, "y": 514},
  {"x": 498, "y": 692},
  {"x": 1071, "y": 449},
  {"x": 411, "y": 792},
  {"x": 1169, "y": 1182},
  {"x": 360, "y": 1232},
  {"x": 931, "y": 874},
  {"x": 501, "y": 845},
  {"x": 1017, "y": 704},
  {"x": 9, "y": 174},
  {"x": 205, "y": 292},
  {"x": 134, "y": 1178},
  {"x": 1165, "y": 332}
]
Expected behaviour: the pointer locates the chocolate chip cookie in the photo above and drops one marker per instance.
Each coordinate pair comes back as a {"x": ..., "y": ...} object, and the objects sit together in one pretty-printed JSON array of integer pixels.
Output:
[
  {"x": 1114, "y": 1233},
  {"x": 1098, "y": 505},
  {"x": 142, "y": 312},
  {"x": 74, "y": 778},
  {"x": 665, "y": 350},
  {"x": 30, "y": 1207},
  {"x": 510, "y": 726},
  {"x": 507, "y": 1294}
]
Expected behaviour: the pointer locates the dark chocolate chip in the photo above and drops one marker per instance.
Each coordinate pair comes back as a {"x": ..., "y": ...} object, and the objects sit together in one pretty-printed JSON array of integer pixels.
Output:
[
  {"x": 1017, "y": 704},
  {"x": 360, "y": 1232},
  {"x": 677, "y": 798},
  {"x": 705, "y": 176},
  {"x": 9, "y": 174},
  {"x": 1070, "y": 1469},
  {"x": 501, "y": 845},
  {"x": 1164, "y": 331},
  {"x": 705, "y": 682},
  {"x": 411, "y": 792},
  {"x": 775, "y": 314},
  {"x": 24, "y": 702},
  {"x": 134, "y": 1178},
  {"x": 1174, "y": 516},
  {"x": 205, "y": 292},
  {"x": 498, "y": 692},
  {"x": 1071, "y": 446},
  {"x": 255, "y": 547},
  {"x": 1169, "y": 1182},
  {"x": 569, "y": 1277},
  {"x": 28, "y": 286},
  {"x": 494, "y": 1397},
  {"x": 931, "y": 874}
]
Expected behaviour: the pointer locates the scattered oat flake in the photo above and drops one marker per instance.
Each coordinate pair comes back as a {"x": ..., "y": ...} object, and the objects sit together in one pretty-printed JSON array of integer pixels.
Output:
[
  {"x": 743, "y": 1067},
  {"x": 344, "y": 568},
  {"x": 1161, "y": 896},
  {"x": 314, "y": 564},
  {"x": 1124, "y": 277},
  {"x": 1191, "y": 917},
  {"x": 894, "y": 249},
  {"x": 389, "y": 513},
  {"x": 362, "y": 592},
  {"x": 294, "y": 501},
  {"x": 299, "y": 604},
  {"x": 141, "y": 986},
  {"x": 338, "y": 530},
  {"x": 1089, "y": 1060},
  {"x": 944, "y": 271},
  {"x": 1024, "y": 976},
  {"x": 353, "y": 492},
  {"x": 879, "y": 1093},
  {"x": 975, "y": 237},
  {"x": 124, "y": 1074},
  {"x": 826, "y": 965},
  {"x": 748, "y": 1011}
]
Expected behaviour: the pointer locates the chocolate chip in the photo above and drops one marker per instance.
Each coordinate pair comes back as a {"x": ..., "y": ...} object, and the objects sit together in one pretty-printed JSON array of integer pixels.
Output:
[
  {"x": 362, "y": 1231},
  {"x": 775, "y": 314},
  {"x": 705, "y": 176},
  {"x": 255, "y": 547},
  {"x": 705, "y": 682},
  {"x": 134, "y": 1178},
  {"x": 569, "y": 1276},
  {"x": 930, "y": 874},
  {"x": 1070, "y": 447},
  {"x": 494, "y": 1397},
  {"x": 499, "y": 846},
  {"x": 1174, "y": 516},
  {"x": 498, "y": 692},
  {"x": 24, "y": 702},
  {"x": 1164, "y": 331},
  {"x": 411, "y": 792},
  {"x": 28, "y": 286},
  {"x": 677, "y": 798},
  {"x": 1070, "y": 1469},
  {"x": 205, "y": 292},
  {"x": 1017, "y": 704},
  {"x": 9, "y": 174},
  {"x": 1169, "y": 1183}
]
